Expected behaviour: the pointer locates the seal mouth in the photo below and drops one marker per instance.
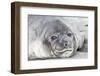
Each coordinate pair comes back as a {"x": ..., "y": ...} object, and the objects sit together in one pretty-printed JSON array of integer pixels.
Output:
[
  {"x": 68, "y": 49},
  {"x": 64, "y": 50},
  {"x": 63, "y": 53}
]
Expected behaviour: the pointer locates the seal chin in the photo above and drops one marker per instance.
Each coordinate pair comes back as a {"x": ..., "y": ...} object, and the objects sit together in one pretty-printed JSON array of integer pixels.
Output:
[{"x": 67, "y": 53}]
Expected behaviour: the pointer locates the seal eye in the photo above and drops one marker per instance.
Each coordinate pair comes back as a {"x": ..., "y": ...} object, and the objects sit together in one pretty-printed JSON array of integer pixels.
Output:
[
  {"x": 69, "y": 34},
  {"x": 53, "y": 37}
]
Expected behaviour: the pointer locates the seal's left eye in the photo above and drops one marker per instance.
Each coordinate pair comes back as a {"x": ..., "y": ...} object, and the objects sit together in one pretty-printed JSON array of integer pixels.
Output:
[
  {"x": 53, "y": 37},
  {"x": 69, "y": 34}
]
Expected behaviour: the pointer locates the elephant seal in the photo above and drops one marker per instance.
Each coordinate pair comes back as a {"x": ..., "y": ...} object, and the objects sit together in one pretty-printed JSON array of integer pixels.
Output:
[{"x": 54, "y": 39}]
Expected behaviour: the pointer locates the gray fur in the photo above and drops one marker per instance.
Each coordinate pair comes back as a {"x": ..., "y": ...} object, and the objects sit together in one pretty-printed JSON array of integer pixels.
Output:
[{"x": 46, "y": 28}]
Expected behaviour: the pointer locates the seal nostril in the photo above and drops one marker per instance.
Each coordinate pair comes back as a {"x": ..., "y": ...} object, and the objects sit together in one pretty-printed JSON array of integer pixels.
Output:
[{"x": 65, "y": 44}]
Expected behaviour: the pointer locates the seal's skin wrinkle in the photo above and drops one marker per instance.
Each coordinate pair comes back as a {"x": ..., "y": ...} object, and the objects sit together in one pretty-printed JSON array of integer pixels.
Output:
[{"x": 51, "y": 37}]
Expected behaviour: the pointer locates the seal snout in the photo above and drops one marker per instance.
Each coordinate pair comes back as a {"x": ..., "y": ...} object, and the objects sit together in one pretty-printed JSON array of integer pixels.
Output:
[{"x": 61, "y": 45}]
